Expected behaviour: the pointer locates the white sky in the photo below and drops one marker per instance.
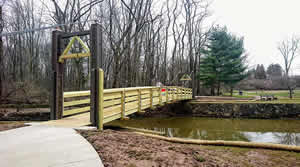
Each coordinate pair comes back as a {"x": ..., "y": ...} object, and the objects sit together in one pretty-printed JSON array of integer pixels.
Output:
[{"x": 263, "y": 23}]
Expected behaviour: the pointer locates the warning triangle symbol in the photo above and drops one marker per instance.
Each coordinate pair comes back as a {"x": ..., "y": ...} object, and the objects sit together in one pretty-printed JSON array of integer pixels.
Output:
[
  {"x": 185, "y": 77},
  {"x": 66, "y": 54}
]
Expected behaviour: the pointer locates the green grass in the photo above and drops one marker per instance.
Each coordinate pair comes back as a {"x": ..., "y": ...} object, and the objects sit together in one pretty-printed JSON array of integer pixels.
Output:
[{"x": 278, "y": 93}]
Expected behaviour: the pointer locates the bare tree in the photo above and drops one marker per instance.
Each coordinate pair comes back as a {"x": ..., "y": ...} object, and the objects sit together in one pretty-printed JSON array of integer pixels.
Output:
[
  {"x": 1, "y": 52},
  {"x": 289, "y": 49}
]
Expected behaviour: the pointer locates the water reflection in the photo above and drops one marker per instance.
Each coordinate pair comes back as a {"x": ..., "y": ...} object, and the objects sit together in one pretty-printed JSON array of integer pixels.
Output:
[{"x": 272, "y": 131}]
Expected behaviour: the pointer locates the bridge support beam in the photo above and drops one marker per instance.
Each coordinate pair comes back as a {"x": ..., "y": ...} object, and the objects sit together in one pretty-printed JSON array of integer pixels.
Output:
[
  {"x": 96, "y": 62},
  {"x": 56, "y": 98}
]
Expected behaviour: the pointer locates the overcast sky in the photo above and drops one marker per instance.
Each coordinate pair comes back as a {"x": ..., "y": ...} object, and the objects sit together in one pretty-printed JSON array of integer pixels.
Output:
[{"x": 263, "y": 23}]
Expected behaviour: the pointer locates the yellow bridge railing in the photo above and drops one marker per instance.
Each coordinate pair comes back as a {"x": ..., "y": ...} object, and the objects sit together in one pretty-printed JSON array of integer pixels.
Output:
[{"x": 121, "y": 102}]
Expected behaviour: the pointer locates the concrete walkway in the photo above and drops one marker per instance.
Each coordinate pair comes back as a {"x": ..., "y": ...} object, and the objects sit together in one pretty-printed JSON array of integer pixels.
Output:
[{"x": 46, "y": 146}]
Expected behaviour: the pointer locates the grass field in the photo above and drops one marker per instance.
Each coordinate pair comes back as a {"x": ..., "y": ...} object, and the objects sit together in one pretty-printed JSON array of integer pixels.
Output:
[{"x": 282, "y": 95}]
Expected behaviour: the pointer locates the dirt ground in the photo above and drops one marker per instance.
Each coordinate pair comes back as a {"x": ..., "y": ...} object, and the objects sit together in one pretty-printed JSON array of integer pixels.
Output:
[
  {"x": 7, "y": 125},
  {"x": 24, "y": 114},
  {"x": 127, "y": 149}
]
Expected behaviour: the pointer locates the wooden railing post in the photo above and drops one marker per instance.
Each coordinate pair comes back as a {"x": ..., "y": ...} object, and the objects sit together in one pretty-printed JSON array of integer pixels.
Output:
[
  {"x": 123, "y": 104},
  {"x": 160, "y": 96},
  {"x": 180, "y": 91},
  {"x": 97, "y": 60},
  {"x": 100, "y": 115},
  {"x": 151, "y": 97},
  {"x": 185, "y": 93},
  {"x": 172, "y": 89},
  {"x": 177, "y": 93},
  {"x": 140, "y": 100},
  {"x": 167, "y": 95}
]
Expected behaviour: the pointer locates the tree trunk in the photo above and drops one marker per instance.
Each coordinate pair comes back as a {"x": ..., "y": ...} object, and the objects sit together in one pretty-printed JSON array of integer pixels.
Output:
[
  {"x": 212, "y": 90},
  {"x": 291, "y": 92},
  {"x": 1, "y": 55},
  {"x": 231, "y": 91}
]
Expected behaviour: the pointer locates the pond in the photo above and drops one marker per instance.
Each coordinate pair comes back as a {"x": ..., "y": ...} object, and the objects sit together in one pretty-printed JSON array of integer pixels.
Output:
[{"x": 252, "y": 130}]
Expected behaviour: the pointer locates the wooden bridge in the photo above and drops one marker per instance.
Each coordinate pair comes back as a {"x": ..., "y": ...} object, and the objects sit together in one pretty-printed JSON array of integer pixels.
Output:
[
  {"x": 115, "y": 103},
  {"x": 98, "y": 106}
]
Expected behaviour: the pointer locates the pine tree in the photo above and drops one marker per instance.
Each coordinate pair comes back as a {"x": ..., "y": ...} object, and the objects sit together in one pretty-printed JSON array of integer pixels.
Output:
[
  {"x": 260, "y": 72},
  {"x": 224, "y": 62}
]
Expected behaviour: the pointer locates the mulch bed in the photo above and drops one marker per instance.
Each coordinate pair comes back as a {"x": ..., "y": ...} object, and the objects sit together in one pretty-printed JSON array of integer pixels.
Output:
[{"x": 127, "y": 149}]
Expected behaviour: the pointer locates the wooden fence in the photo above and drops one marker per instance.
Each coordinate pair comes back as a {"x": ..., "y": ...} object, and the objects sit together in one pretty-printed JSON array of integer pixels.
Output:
[{"x": 120, "y": 102}]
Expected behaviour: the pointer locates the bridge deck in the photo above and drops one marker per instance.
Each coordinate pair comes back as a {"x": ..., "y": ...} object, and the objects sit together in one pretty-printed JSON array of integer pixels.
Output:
[{"x": 71, "y": 122}]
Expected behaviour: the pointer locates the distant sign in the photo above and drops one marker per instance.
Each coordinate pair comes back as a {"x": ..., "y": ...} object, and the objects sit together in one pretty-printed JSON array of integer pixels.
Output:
[{"x": 185, "y": 77}]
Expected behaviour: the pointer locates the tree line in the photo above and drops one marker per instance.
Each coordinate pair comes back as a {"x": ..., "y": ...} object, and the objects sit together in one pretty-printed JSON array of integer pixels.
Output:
[{"x": 146, "y": 42}]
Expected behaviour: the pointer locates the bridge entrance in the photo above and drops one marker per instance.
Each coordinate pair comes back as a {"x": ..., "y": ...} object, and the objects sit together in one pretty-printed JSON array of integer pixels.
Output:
[{"x": 98, "y": 106}]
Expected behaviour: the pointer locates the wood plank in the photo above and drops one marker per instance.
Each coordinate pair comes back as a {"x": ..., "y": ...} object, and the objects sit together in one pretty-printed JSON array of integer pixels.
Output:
[
  {"x": 145, "y": 101},
  {"x": 132, "y": 105},
  {"x": 77, "y": 102},
  {"x": 111, "y": 117},
  {"x": 76, "y": 110},
  {"x": 76, "y": 94},
  {"x": 125, "y": 89},
  {"x": 133, "y": 98},
  {"x": 111, "y": 103},
  {"x": 131, "y": 111},
  {"x": 72, "y": 121},
  {"x": 145, "y": 96},
  {"x": 155, "y": 103},
  {"x": 131, "y": 93},
  {"x": 109, "y": 96},
  {"x": 155, "y": 99},
  {"x": 111, "y": 110},
  {"x": 155, "y": 94},
  {"x": 145, "y": 106},
  {"x": 146, "y": 91}
]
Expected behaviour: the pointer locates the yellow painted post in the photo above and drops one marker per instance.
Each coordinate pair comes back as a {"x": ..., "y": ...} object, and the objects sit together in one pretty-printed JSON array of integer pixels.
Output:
[
  {"x": 177, "y": 93},
  {"x": 167, "y": 95},
  {"x": 185, "y": 93},
  {"x": 123, "y": 104},
  {"x": 172, "y": 89},
  {"x": 101, "y": 99},
  {"x": 180, "y": 93},
  {"x": 151, "y": 98},
  {"x": 139, "y": 100},
  {"x": 160, "y": 96}
]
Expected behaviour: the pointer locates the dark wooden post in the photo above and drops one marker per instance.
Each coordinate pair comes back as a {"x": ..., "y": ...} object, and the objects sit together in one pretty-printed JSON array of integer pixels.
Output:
[
  {"x": 57, "y": 77},
  {"x": 96, "y": 62}
]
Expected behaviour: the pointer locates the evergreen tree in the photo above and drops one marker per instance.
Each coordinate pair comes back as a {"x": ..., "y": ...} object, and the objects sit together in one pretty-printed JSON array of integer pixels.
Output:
[
  {"x": 274, "y": 70},
  {"x": 260, "y": 72},
  {"x": 224, "y": 62}
]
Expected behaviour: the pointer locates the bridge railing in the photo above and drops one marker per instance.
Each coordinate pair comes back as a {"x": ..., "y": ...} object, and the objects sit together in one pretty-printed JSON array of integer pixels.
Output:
[{"x": 121, "y": 102}]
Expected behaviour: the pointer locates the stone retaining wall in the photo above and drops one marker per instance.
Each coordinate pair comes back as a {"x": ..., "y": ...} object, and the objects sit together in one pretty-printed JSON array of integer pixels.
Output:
[{"x": 266, "y": 111}]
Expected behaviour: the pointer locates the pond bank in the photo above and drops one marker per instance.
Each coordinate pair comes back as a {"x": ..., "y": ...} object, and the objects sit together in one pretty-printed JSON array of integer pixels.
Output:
[{"x": 227, "y": 110}]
